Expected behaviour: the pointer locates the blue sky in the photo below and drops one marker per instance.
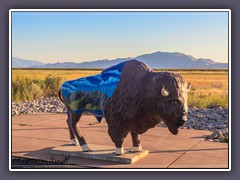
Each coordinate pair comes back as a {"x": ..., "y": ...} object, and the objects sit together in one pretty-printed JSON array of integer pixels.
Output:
[{"x": 86, "y": 36}]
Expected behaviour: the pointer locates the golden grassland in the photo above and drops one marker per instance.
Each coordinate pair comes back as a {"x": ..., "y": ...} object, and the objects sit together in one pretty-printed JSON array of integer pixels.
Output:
[
  {"x": 42, "y": 74},
  {"x": 209, "y": 88}
]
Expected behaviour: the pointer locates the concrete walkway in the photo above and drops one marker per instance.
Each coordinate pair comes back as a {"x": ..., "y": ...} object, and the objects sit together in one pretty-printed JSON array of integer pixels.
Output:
[{"x": 34, "y": 135}]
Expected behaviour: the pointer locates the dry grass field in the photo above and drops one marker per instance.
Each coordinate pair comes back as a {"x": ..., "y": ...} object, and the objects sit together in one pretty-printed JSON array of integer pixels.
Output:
[
  {"x": 41, "y": 74},
  {"x": 209, "y": 87}
]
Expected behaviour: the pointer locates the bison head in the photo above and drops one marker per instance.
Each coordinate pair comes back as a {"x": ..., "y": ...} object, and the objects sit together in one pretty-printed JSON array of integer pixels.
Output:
[{"x": 171, "y": 100}]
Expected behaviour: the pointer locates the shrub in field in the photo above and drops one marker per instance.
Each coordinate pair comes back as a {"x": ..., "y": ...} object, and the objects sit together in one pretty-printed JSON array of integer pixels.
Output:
[
  {"x": 19, "y": 88},
  {"x": 24, "y": 88},
  {"x": 52, "y": 84},
  {"x": 34, "y": 91},
  {"x": 207, "y": 100}
]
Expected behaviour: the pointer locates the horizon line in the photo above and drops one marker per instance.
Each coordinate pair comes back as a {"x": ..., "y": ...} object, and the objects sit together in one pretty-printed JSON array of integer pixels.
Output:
[{"x": 107, "y": 59}]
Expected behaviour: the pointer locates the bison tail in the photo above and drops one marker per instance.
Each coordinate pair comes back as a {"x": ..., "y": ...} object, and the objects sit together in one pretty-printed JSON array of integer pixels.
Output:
[
  {"x": 59, "y": 95},
  {"x": 61, "y": 99}
]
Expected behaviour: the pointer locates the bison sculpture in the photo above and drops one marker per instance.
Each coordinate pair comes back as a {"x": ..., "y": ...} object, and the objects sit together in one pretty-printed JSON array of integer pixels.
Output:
[{"x": 132, "y": 98}]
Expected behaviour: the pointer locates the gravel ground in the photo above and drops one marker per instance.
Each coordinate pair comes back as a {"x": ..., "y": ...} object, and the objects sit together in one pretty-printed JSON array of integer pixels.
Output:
[{"x": 214, "y": 119}]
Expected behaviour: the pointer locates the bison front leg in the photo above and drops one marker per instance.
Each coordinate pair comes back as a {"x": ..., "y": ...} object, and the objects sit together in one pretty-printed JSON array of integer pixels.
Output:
[
  {"x": 118, "y": 136},
  {"x": 136, "y": 142},
  {"x": 119, "y": 146}
]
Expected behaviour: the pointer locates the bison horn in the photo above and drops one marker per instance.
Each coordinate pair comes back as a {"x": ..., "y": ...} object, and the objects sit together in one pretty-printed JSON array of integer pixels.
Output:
[{"x": 165, "y": 93}]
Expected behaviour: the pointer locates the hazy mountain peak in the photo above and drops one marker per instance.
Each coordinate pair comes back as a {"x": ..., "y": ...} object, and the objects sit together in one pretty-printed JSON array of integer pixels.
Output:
[{"x": 21, "y": 63}]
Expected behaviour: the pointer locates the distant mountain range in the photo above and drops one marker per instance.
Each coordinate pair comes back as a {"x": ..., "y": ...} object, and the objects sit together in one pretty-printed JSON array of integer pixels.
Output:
[{"x": 165, "y": 60}]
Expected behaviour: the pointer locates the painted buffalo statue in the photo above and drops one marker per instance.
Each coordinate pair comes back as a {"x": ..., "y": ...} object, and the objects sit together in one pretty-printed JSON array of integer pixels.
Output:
[{"x": 132, "y": 98}]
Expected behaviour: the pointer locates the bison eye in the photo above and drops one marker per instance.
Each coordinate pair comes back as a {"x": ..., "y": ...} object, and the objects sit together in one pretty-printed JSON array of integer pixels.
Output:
[{"x": 174, "y": 102}]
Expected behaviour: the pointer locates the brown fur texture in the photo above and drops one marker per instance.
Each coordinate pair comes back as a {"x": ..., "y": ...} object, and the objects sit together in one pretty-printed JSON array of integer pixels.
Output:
[{"x": 138, "y": 104}]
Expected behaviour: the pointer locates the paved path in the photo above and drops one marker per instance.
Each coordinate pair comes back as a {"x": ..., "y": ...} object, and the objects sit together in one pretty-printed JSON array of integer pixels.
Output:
[{"x": 34, "y": 135}]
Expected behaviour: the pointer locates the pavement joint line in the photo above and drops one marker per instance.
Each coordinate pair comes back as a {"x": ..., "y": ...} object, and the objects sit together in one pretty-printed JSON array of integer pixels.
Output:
[
  {"x": 40, "y": 138},
  {"x": 38, "y": 128},
  {"x": 35, "y": 125},
  {"x": 184, "y": 153},
  {"x": 65, "y": 127},
  {"x": 85, "y": 126}
]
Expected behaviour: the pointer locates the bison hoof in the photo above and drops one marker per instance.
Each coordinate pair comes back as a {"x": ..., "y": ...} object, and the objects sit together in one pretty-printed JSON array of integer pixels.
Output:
[
  {"x": 89, "y": 150},
  {"x": 137, "y": 149},
  {"x": 119, "y": 151},
  {"x": 75, "y": 142},
  {"x": 85, "y": 148}
]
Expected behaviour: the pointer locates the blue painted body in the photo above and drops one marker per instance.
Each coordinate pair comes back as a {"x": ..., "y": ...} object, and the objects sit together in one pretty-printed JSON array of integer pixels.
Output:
[{"x": 93, "y": 92}]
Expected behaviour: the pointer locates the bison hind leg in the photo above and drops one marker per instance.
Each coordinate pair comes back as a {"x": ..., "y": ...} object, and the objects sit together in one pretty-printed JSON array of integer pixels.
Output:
[
  {"x": 75, "y": 141},
  {"x": 79, "y": 139},
  {"x": 72, "y": 137}
]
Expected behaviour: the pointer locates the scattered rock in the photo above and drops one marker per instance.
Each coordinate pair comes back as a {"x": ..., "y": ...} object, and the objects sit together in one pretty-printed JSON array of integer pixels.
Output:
[
  {"x": 211, "y": 119},
  {"x": 51, "y": 104},
  {"x": 216, "y": 135}
]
